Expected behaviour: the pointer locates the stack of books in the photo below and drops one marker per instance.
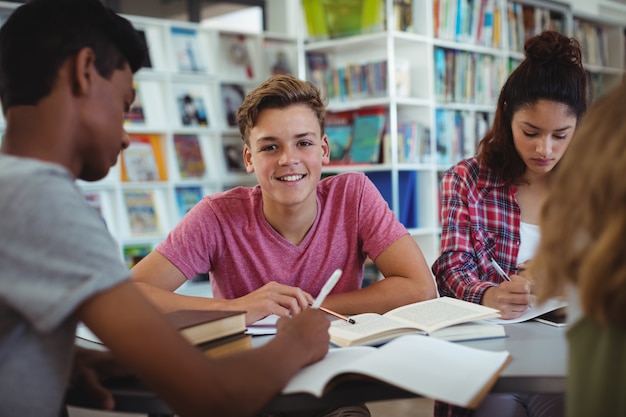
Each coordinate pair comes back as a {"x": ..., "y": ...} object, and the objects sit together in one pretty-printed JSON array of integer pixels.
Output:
[{"x": 216, "y": 333}]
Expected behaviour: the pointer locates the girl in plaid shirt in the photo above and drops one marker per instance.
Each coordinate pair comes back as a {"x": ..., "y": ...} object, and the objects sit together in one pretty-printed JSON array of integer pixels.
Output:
[{"x": 490, "y": 203}]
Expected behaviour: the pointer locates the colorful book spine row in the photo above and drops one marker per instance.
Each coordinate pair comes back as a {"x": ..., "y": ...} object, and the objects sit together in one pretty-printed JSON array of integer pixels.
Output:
[
  {"x": 467, "y": 77},
  {"x": 477, "y": 22},
  {"x": 594, "y": 42},
  {"x": 526, "y": 21},
  {"x": 357, "y": 81},
  {"x": 458, "y": 134},
  {"x": 348, "y": 82},
  {"x": 414, "y": 143}
]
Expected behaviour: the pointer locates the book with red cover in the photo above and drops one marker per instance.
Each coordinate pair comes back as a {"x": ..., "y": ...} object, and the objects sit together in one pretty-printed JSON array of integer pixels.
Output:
[{"x": 201, "y": 326}]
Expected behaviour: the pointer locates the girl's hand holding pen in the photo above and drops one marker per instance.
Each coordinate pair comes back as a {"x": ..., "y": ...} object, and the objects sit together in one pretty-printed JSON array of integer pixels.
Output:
[{"x": 512, "y": 296}]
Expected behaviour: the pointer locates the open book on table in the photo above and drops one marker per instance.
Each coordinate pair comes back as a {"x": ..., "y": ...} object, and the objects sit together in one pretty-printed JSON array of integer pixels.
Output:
[
  {"x": 446, "y": 318},
  {"x": 416, "y": 363}
]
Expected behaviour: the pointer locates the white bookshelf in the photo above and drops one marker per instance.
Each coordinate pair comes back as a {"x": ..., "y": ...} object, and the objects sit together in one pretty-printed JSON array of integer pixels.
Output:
[
  {"x": 408, "y": 55},
  {"x": 428, "y": 100}
]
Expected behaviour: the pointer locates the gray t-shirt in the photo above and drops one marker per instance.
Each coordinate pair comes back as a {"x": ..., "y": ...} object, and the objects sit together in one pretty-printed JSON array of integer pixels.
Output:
[{"x": 55, "y": 253}]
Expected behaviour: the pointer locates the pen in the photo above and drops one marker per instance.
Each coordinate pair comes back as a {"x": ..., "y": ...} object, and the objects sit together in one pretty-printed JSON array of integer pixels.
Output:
[
  {"x": 327, "y": 288},
  {"x": 499, "y": 270},
  {"x": 339, "y": 316}
]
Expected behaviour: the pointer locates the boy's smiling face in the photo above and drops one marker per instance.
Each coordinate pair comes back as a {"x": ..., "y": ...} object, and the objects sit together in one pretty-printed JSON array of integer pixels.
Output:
[{"x": 286, "y": 151}]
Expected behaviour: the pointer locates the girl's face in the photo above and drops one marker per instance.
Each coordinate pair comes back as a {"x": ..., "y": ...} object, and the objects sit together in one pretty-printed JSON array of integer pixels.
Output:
[{"x": 541, "y": 135}]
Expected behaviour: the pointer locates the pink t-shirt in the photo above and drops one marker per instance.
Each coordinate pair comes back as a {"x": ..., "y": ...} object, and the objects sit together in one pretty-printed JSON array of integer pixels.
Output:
[{"x": 227, "y": 235}]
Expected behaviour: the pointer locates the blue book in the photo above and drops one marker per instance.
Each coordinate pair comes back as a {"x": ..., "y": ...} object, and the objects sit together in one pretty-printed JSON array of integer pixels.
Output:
[
  {"x": 339, "y": 137},
  {"x": 367, "y": 137}
]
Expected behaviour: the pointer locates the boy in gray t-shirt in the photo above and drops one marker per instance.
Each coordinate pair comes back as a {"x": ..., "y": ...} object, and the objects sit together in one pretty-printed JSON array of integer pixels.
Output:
[{"x": 66, "y": 79}]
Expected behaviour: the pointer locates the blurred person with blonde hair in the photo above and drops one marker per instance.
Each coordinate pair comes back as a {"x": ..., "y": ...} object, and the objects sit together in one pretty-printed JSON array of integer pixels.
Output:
[{"x": 582, "y": 255}]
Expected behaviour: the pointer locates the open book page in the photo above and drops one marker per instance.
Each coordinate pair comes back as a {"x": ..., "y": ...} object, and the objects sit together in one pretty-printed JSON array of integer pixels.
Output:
[
  {"x": 263, "y": 327},
  {"x": 473, "y": 330},
  {"x": 369, "y": 329},
  {"x": 425, "y": 317},
  {"x": 423, "y": 365},
  {"x": 535, "y": 311},
  {"x": 440, "y": 312}
]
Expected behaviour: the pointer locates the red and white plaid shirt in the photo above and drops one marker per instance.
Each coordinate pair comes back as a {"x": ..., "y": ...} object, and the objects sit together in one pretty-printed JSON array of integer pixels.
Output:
[{"x": 480, "y": 220}]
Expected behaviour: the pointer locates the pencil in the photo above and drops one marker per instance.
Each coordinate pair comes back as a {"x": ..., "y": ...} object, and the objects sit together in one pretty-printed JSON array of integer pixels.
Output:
[{"x": 339, "y": 316}]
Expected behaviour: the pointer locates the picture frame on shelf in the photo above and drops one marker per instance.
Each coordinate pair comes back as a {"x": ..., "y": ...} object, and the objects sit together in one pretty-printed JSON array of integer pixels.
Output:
[
  {"x": 141, "y": 211},
  {"x": 191, "y": 105},
  {"x": 232, "y": 97},
  {"x": 154, "y": 34},
  {"x": 237, "y": 61},
  {"x": 189, "y": 156},
  {"x": 143, "y": 159},
  {"x": 280, "y": 57},
  {"x": 232, "y": 150},
  {"x": 133, "y": 253},
  {"x": 135, "y": 114},
  {"x": 148, "y": 112},
  {"x": 187, "y": 197},
  {"x": 187, "y": 50}
]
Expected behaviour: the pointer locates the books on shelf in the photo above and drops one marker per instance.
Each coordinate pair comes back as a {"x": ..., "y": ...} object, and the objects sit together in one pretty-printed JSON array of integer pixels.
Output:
[
  {"x": 187, "y": 197},
  {"x": 339, "y": 140},
  {"x": 318, "y": 71},
  {"x": 201, "y": 326},
  {"x": 367, "y": 135},
  {"x": 413, "y": 142},
  {"x": 143, "y": 159},
  {"x": 427, "y": 317},
  {"x": 141, "y": 212},
  {"x": 187, "y": 50},
  {"x": 364, "y": 80},
  {"x": 134, "y": 253},
  {"x": 403, "y": 15},
  {"x": 338, "y": 128},
  {"x": 189, "y": 156},
  {"x": 423, "y": 365},
  {"x": 232, "y": 97}
]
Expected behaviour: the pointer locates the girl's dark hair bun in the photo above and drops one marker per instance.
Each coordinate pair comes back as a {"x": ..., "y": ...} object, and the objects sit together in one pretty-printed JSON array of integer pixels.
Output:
[{"x": 551, "y": 46}]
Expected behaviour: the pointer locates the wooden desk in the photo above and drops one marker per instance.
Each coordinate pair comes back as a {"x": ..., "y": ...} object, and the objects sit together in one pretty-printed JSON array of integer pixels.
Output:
[{"x": 539, "y": 365}]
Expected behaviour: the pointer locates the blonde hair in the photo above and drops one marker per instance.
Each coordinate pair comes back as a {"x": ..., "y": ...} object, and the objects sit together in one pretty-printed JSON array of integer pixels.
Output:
[{"x": 583, "y": 223}]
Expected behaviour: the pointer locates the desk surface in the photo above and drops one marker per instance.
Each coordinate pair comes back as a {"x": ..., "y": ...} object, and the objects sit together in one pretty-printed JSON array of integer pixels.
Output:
[{"x": 539, "y": 364}]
